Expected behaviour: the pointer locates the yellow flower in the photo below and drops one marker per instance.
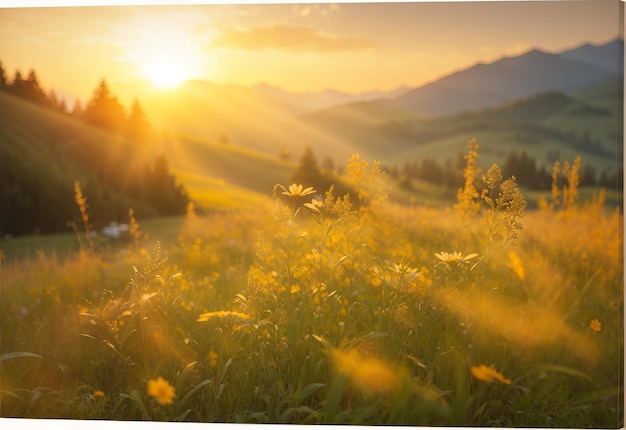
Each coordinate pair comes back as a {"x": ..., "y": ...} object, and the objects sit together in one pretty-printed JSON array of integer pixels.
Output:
[
  {"x": 162, "y": 391},
  {"x": 595, "y": 325},
  {"x": 372, "y": 372},
  {"x": 296, "y": 190},
  {"x": 315, "y": 205},
  {"x": 98, "y": 393},
  {"x": 213, "y": 357},
  {"x": 454, "y": 257},
  {"x": 486, "y": 373}
]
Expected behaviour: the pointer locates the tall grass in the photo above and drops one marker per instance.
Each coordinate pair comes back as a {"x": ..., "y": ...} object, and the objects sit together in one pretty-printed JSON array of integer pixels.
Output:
[{"x": 319, "y": 308}]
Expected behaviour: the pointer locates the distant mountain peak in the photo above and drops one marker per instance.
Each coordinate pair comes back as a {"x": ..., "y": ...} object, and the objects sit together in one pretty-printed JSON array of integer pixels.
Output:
[{"x": 509, "y": 78}]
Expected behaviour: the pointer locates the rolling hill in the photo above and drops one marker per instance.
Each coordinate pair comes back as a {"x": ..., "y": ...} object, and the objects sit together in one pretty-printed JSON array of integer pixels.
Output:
[
  {"x": 43, "y": 152},
  {"x": 224, "y": 142},
  {"x": 586, "y": 123},
  {"x": 270, "y": 120}
]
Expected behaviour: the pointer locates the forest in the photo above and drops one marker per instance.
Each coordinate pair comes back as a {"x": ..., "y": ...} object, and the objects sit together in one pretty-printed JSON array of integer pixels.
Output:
[{"x": 110, "y": 152}]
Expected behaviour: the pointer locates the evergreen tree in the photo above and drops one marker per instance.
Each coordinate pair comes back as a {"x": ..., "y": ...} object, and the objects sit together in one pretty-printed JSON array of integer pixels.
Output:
[
  {"x": 105, "y": 111},
  {"x": 524, "y": 168},
  {"x": 308, "y": 172},
  {"x": 138, "y": 128},
  {"x": 328, "y": 165},
  {"x": 77, "y": 110},
  {"x": 588, "y": 176},
  {"x": 3, "y": 80},
  {"x": 53, "y": 100},
  {"x": 17, "y": 86},
  {"x": 162, "y": 191},
  {"x": 32, "y": 90}
]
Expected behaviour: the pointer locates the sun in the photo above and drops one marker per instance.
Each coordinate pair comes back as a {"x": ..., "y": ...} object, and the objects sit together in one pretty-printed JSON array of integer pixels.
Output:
[{"x": 166, "y": 74}]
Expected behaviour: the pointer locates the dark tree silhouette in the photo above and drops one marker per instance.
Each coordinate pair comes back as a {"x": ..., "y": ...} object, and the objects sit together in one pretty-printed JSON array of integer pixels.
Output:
[
  {"x": 55, "y": 102},
  {"x": 328, "y": 165},
  {"x": 3, "y": 80},
  {"x": 29, "y": 89},
  {"x": 77, "y": 110},
  {"x": 524, "y": 168},
  {"x": 105, "y": 111},
  {"x": 161, "y": 189},
  {"x": 17, "y": 87},
  {"x": 138, "y": 128},
  {"x": 308, "y": 172}
]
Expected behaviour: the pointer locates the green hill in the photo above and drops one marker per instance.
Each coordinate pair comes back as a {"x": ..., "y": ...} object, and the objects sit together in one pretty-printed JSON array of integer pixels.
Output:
[
  {"x": 44, "y": 152},
  {"x": 547, "y": 126},
  {"x": 222, "y": 175}
]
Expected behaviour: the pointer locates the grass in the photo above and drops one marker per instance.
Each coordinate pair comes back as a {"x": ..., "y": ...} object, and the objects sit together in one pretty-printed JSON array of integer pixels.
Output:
[{"x": 329, "y": 311}]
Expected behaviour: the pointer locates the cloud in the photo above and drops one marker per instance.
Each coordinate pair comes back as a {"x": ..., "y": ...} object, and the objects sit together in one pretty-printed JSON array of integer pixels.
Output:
[
  {"x": 287, "y": 38},
  {"x": 323, "y": 10}
]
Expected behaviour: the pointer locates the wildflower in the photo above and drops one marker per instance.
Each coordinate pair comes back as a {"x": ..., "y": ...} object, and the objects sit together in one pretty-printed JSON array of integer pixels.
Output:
[
  {"x": 315, "y": 205},
  {"x": 486, "y": 373},
  {"x": 454, "y": 257},
  {"x": 402, "y": 316},
  {"x": 570, "y": 194},
  {"x": 298, "y": 190},
  {"x": 213, "y": 358},
  {"x": 513, "y": 201},
  {"x": 162, "y": 391},
  {"x": 595, "y": 325},
  {"x": 98, "y": 393},
  {"x": 494, "y": 176},
  {"x": 466, "y": 196}
]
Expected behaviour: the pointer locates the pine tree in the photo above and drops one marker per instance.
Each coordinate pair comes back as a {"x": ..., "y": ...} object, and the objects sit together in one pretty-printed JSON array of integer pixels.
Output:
[
  {"x": 17, "y": 86},
  {"x": 105, "y": 111},
  {"x": 77, "y": 110},
  {"x": 138, "y": 128},
  {"x": 308, "y": 172},
  {"x": 161, "y": 189},
  {"x": 3, "y": 80},
  {"x": 32, "y": 90}
]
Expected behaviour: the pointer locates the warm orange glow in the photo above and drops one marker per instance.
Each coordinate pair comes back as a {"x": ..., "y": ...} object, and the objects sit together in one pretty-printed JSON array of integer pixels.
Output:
[
  {"x": 528, "y": 330},
  {"x": 166, "y": 74},
  {"x": 372, "y": 372},
  {"x": 166, "y": 55}
]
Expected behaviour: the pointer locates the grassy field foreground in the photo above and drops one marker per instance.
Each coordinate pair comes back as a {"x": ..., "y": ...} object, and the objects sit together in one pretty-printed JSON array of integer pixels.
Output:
[{"x": 319, "y": 309}]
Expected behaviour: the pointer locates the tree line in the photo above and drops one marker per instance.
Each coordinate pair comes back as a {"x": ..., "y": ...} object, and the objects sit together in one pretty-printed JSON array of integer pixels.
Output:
[
  {"x": 103, "y": 110},
  {"x": 43, "y": 155},
  {"x": 521, "y": 165},
  {"x": 450, "y": 175}
]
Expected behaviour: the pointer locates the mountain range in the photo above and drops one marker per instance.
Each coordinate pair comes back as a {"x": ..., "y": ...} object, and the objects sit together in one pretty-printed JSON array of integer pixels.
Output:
[
  {"x": 229, "y": 145},
  {"x": 336, "y": 124},
  {"x": 486, "y": 85}
]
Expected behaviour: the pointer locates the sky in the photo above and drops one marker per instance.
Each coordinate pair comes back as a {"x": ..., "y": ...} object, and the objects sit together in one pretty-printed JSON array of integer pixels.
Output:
[{"x": 350, "y": 47}]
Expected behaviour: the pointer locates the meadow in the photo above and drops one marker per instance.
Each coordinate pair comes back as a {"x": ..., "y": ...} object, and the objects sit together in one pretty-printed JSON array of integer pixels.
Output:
[{"x": 310, "y": 307}]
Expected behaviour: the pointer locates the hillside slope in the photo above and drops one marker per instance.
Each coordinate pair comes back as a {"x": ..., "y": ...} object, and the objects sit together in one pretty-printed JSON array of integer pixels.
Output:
[
  {"x": 544, "y": 125},
  {"x": 270, "y": 120},
  {"x": 43, "y": 153}
]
